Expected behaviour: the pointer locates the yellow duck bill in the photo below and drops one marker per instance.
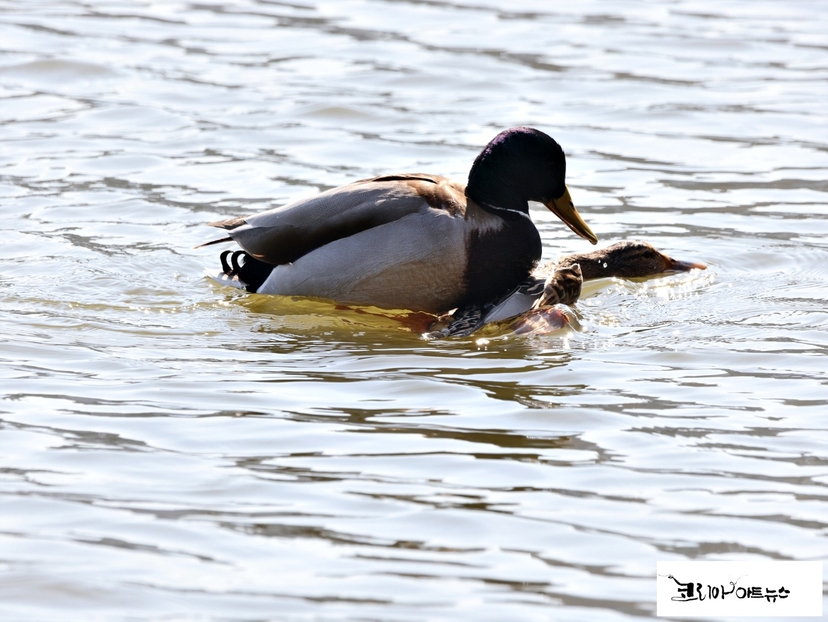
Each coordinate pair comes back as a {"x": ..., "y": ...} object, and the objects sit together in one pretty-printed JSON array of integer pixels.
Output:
[{"x": 564, "y": 208}]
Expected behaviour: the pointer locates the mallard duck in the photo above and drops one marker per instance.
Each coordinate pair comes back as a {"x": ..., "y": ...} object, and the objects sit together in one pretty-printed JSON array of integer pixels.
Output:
[
  {"x": 409, "y": 241},
  {"x": 560, "y": 283}
]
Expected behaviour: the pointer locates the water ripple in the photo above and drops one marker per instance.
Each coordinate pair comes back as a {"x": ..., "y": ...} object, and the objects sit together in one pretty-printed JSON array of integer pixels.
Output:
[{"x": 172, "y": 449}]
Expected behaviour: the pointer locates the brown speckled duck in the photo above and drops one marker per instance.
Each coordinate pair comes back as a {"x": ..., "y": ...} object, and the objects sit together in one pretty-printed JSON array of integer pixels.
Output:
[
  {"x": 410, "y": 241},
  {"x": 560, "y": 283}
]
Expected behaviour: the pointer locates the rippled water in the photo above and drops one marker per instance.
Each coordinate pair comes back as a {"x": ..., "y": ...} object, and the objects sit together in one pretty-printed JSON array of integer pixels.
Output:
[{"x": 175, "y": 450}]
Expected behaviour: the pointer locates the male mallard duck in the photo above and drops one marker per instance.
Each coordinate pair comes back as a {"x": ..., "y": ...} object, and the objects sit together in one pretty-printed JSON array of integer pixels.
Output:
[
  {"x": 560, "y": 283},
  {"x": 410, "y": 241}
]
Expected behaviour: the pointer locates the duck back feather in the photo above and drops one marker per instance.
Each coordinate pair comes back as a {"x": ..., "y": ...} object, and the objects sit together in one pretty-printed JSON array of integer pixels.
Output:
[{"x": 284, "y": 234}]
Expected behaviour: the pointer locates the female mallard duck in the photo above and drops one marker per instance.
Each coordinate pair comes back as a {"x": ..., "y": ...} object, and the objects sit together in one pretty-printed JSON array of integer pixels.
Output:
[
  {"x": 410, "y": 241},
  {"x": 560, "y": 283}
]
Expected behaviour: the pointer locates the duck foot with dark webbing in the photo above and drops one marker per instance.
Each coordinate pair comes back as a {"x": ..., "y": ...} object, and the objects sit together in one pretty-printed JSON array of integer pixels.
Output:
[{"x": 558, "y": 283}]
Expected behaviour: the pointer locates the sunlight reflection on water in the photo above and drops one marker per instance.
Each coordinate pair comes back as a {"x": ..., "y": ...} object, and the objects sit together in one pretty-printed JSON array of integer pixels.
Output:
[{"x": 171, "y": 448}]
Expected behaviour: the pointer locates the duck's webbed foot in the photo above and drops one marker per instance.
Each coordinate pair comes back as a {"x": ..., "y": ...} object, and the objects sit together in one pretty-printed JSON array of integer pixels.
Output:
[
  {"x": 540, "y": 321},
  {"x": 562, "y": 287}
]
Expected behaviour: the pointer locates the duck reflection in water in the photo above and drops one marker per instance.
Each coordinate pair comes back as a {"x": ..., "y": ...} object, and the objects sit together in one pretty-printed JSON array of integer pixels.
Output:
[{"x": 533, "y": 301}]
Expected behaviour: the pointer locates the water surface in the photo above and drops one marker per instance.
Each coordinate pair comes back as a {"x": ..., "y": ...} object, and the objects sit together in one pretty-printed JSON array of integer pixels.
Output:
[{"x": 175, "y": 450}]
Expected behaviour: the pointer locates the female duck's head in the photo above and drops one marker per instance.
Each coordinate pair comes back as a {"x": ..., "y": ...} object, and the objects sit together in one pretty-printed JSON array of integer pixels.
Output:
[{"x": 628, "y": 259}]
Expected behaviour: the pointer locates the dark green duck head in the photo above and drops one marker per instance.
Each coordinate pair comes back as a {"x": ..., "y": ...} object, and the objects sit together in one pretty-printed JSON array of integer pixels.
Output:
[{"x": 523, "y": 164}]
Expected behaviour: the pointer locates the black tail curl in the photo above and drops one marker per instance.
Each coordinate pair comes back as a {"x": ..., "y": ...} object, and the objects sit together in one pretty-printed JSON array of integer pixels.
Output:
[{"x": 249, "y": 270}]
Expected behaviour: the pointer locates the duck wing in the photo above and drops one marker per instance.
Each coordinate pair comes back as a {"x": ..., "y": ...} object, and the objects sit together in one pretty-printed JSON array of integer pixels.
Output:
[
  {"x": 470, "y": 318},
  {"x": 284, "y": 234},
  {"x": 561, "y": 286}
]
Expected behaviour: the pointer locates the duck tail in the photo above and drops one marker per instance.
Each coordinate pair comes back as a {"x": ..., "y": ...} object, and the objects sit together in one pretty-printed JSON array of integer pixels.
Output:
[
  {"x": 211, "y": 242},
  {"x": 240, "y": 270}
]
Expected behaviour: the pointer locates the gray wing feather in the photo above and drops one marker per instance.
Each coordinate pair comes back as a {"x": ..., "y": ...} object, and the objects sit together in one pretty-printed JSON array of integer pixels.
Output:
[{"x": 284, "y": 234}]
